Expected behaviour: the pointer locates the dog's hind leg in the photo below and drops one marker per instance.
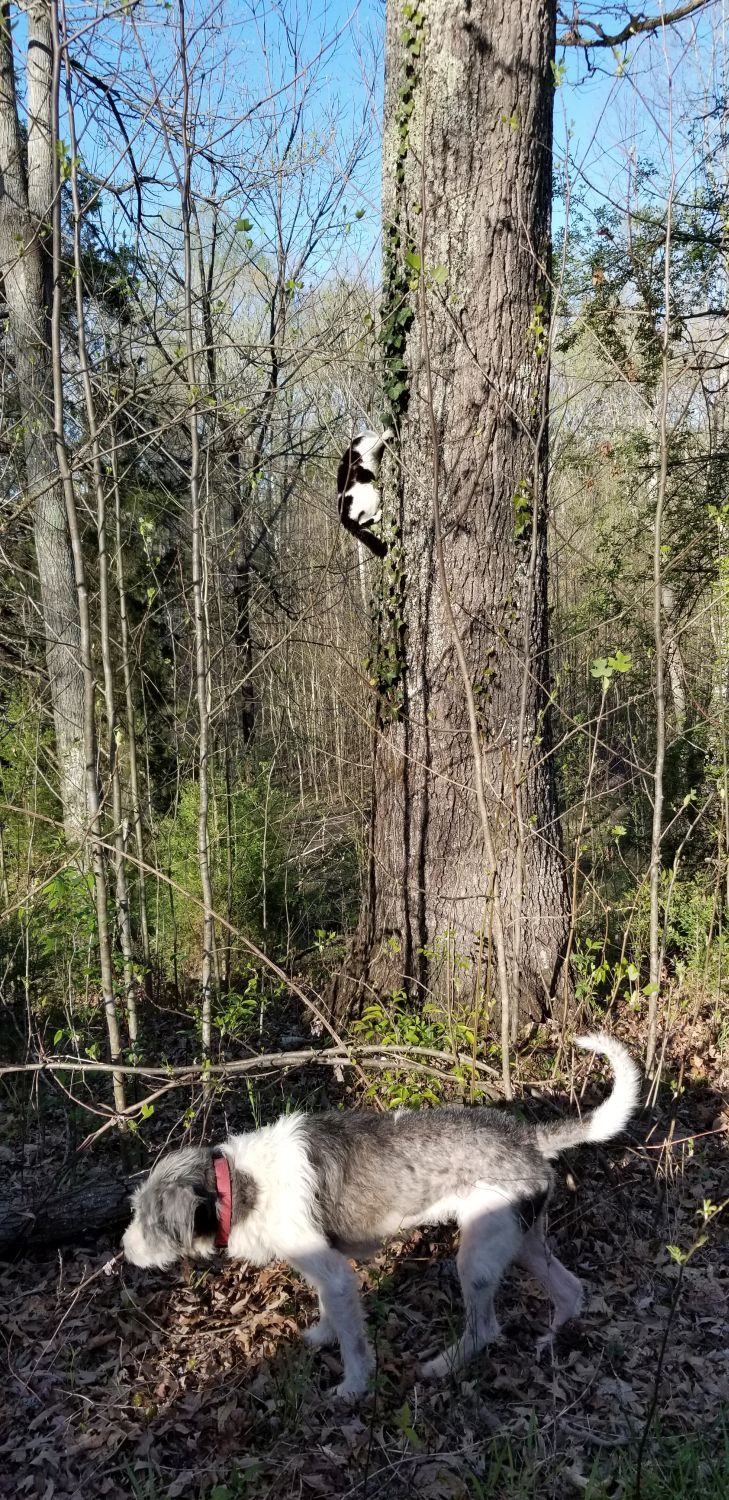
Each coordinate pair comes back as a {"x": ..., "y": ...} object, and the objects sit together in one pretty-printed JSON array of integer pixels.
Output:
[
  {"x": 489, "y": 1240},
  {"x": 563, "y": 1289},
  {"x": 341, "y": 1316}
]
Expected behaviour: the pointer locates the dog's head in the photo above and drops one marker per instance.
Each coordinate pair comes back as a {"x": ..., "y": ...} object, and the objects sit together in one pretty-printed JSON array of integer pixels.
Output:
[{"x": 174, "y": 1213}]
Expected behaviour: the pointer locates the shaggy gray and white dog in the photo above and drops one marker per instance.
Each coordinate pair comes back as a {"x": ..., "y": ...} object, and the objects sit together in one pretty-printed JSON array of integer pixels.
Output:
[{"x": 313, "y": 1190}]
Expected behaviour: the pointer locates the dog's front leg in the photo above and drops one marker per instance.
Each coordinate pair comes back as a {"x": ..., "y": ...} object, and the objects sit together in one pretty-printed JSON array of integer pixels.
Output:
[
  {"x": 320, "y": 1334},
  {"x": 341, "y": 1316}
]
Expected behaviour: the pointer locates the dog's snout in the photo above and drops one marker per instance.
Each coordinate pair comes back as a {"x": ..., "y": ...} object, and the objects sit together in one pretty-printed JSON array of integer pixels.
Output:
[{"x": 133, "y": 1246}]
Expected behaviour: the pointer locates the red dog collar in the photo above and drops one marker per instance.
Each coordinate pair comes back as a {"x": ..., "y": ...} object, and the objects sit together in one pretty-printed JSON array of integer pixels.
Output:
[{"x": 225, "y": 1199}]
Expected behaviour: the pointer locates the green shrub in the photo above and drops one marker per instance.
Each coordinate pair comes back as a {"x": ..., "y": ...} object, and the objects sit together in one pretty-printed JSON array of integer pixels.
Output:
[
  {"x": 398, "y": 1024},
  {"x": 270, "y": 888}
]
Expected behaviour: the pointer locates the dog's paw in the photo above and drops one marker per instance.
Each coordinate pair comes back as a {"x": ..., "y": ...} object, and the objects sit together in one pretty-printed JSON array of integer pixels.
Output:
[
  {"x": 353, "y": 1386},
  {"x": 319, "y": 1335},
  {"x": 435, "y": 1369},
  {"x": 356, "y": 1380},
  {"x": 348, "y": 1390}
]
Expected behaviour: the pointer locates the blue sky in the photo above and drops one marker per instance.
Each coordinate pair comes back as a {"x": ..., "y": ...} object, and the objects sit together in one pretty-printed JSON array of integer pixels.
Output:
[
  {"x": 608, "y": 108},
  {"x": 603, "y": 108}
]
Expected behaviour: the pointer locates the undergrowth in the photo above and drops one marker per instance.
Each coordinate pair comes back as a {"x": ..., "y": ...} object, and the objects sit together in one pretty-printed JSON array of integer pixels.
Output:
[{"x": 680, "y": 1467}]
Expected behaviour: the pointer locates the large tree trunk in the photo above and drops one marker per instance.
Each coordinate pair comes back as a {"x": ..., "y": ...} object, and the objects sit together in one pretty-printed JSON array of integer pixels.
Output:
[
  {"x": 25, "y": 214},
  {"x": 467, "y": 186}
]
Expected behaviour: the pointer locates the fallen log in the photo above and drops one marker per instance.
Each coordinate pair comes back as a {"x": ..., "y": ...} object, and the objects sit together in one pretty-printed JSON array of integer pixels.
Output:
[{"x": 70, "y": 1216}]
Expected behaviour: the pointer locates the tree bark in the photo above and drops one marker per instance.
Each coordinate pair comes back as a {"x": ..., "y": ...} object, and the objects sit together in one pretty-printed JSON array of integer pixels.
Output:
[
  {"x": 25, "y": 265},
  {"x": 468, "y": 138}
]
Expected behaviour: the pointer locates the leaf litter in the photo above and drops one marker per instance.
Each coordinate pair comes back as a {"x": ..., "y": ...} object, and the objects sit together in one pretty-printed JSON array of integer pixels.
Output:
[{"x": 195, "y": 1383}]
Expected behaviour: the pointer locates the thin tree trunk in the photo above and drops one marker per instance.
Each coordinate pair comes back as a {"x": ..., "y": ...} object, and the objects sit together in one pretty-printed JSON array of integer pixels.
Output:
[
  {"x": 131, "y": 724},
  {"x": 720, "y": 612},
  {"x": 656, "y": 928},
  {"x": 243, "y": 666},
  {"x": 468, "y": 134},
  {"x": 674, "y": 655},
  {"x": 123, "y": 913},
  {"x": 202, "y": 675},
  {"x": 25, "y": 266},
  {"x": 46, "y": 39}
]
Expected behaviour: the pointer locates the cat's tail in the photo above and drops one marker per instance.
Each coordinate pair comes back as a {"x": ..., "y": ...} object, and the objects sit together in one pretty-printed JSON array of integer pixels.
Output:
[{"x": 611, "y": 1116}]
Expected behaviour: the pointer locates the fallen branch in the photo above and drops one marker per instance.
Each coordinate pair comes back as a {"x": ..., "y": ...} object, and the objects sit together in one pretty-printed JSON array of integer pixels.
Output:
[
  {"x": 83, "y": 1212},
  {"x": 353, "y": 1056}
]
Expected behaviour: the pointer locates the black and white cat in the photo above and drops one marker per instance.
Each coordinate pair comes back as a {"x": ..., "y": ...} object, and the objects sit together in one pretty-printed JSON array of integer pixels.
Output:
[{"x": 358, "y": 497}]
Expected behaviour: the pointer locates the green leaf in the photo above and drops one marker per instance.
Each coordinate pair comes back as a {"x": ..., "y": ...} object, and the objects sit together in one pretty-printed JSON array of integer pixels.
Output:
[
  {"x": 413, "y": 259},
  {"x": 621, "y": 661},
  {"x": 58, "y": 1036},
  {"x": 395, "y": 390},
  {"x": 404, "y": 1421},
  {"x": 439, "y": 274},
  {"x": 243, "y": 226}
]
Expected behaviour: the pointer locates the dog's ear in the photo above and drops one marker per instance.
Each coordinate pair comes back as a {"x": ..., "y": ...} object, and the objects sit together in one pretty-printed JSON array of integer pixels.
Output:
[
  {"x": 189, "y": 1214},
  {"x": 178, "y": 1208}
]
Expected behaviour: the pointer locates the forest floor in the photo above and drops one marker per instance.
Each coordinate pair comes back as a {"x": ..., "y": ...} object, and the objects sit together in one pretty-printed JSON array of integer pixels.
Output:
[{"x": 195, "y": 1384}]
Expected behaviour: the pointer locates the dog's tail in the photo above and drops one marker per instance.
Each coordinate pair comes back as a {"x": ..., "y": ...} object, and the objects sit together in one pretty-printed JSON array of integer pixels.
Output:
[{"x": 611, "y": 1116}]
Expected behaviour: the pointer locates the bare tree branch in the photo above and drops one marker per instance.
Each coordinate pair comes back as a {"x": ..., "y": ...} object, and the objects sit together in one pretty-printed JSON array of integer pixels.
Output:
[{"x": 636, "y": 26}]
